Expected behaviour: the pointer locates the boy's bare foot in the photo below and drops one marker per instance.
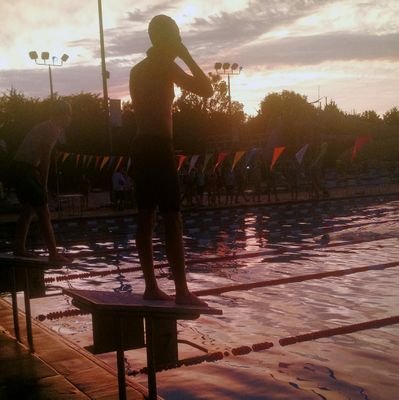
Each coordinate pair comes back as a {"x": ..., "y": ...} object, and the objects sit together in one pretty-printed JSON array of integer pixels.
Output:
[
  {"x": 189, "y": 299},
  {"x": 60, "y": 258},
  {"x": 156, "y": 294}
]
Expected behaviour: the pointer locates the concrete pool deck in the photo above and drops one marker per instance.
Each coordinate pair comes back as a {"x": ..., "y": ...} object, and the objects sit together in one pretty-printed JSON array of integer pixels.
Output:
[{"x": 57, "y": 370}]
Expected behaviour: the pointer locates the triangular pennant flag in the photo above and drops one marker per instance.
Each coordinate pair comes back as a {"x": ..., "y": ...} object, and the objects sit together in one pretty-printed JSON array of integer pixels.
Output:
[
  {"x": 59, "y": 156},
  {"x": 65, "y": 156},
  {"x": 359, "y": 143},
  {"x": 84, "y": 160},
  {"x": 250, "y": 155},
  {"x": 323, "y": 150},
  {"x": 193, "y": 161},
  {"x": 90, "y": 159},
  {"x": 129, "y": 163},
  {"x": 98, "y": 161},
  {"x": 104, "y": 161},
  {"x": 118, "y": 163},
  {"x": 276, "y": 154},
  {"x": 301, "y": 153},
  {"x": 222, "y": 155},
  {"x": 182, "y": 158},
  {"x": 208, "y": 156},
  {"x": 77, "y": 159},
  {"x": 111, "y": 162},
  {"x": 237, "y": 157}
]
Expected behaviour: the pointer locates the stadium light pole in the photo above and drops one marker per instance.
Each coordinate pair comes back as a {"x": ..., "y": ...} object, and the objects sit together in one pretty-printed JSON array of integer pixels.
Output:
[
  {"x": 55, "y": 62},
  {"x": 105, "y": 75},
  {"x": 228, "y": 69}
]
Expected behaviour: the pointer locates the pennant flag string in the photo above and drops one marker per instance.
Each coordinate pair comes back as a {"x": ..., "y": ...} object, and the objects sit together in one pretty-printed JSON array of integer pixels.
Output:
[
  {"x": 321, "y": 154},
  {"x": 182, "y": 158},
  {"x": 65, "y": 156},
  {"x": 237, "y": 158},
  {"x": 359, "y": 143},
  {"x": 208, "y": 156},
  {"x": 104, "y": 162},
  {"x": 193, "y": 161},
  {"x": 118, "y": 163},
  {"x": 250, "y": 154},
  {"x": 220, "y": 159},
  {"x": 276, "y": 155},
  {"x": 301, "y": 153},
  {"x": 129, "y": 163}
]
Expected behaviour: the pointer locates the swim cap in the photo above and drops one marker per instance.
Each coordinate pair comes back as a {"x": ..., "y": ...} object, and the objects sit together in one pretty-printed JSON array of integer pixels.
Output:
[{"x": 163, "y": 30}]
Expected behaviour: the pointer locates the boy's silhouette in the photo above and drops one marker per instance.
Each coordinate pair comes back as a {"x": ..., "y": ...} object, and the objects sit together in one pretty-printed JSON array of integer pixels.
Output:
[
  {"x": 29, "y": 172},
  {"x": 152, "y": 91}
]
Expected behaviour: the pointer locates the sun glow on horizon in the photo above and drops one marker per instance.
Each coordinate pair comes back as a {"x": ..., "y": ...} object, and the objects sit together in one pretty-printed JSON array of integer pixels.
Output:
[{"x": 290, "y": 49}]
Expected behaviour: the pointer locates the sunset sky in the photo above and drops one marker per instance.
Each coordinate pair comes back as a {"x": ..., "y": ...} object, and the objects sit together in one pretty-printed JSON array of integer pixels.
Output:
[{"x": 347, "y": 51}]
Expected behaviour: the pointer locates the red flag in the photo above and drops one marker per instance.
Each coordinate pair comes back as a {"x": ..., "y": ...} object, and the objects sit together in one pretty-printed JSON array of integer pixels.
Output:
[
  {"x": 220, "y": 159},
  {"x": 276, "y": 154},
  {"x": 182, "y": 158},
  {"x": 359, "y": 143}
]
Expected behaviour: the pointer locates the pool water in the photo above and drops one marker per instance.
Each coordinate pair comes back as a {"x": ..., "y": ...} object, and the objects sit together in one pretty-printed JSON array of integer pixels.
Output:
[{"x": 254, "y": 244}]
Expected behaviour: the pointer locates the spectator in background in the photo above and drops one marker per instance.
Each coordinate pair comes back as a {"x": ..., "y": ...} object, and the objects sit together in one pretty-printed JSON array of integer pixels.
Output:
[{"x": 118, "y": 189}]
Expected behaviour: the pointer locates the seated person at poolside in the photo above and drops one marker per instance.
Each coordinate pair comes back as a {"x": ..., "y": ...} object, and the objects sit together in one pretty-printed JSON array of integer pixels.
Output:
[{"x": 29, "y": 175}]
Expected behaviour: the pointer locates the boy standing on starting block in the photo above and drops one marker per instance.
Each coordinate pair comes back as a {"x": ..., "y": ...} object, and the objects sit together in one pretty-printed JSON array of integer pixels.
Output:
[{"x": 152, "y": 91}]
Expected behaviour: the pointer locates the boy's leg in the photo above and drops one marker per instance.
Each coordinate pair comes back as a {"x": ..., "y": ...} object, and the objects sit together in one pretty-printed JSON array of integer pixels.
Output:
[
  {"x": 43, "y": 214},
  {"x": 175, "y": 254},
  {"x": 145, "y": 226},
  {"x": 22, "y": 228}
]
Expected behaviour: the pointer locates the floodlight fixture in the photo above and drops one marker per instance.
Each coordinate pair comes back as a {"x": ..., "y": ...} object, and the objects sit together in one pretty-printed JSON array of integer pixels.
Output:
[
  {"x": 33, "y": 55},
  {"x": 45, "y": 56}
]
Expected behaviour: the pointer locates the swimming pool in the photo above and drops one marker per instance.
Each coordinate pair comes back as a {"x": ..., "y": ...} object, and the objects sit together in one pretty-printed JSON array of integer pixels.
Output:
[{"x": 229, "y": 247}]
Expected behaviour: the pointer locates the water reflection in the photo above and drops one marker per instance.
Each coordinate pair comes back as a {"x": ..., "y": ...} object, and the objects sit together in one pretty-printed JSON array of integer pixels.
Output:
[{"x": 360, "y": 234}]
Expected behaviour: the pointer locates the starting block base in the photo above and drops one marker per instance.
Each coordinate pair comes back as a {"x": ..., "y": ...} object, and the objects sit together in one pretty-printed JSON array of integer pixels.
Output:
[{"x": 124, "y": 321}]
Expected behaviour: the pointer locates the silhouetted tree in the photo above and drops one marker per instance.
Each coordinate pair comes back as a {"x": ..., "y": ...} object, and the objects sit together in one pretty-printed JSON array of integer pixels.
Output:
[{"x": 391, "y": 117}]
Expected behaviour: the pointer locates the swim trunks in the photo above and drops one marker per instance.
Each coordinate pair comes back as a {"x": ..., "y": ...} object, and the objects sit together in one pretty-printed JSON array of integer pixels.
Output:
[
  {"x": 26, "y": 180},
  {"x": 155, "y": 174}
]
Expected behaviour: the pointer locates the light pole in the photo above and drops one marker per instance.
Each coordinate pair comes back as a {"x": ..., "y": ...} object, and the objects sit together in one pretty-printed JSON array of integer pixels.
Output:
[
  {"x": 228, "y": 69},
  {"x": 45, "y": 56},
  {"x": 105, "y": 75}
]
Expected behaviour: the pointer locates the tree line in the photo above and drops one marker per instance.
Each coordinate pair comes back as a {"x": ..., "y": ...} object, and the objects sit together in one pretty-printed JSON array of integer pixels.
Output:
[{"x": 203, "y": 125}]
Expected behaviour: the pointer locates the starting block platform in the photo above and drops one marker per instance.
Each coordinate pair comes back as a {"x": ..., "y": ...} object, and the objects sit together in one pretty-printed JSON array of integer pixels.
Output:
[
  {"x": 124, "y": 321},
  {"x": 24, "y": 274}
]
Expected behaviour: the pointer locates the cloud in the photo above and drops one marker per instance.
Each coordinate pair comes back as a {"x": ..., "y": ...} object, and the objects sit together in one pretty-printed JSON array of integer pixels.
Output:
[
  {"x": 322, "y": 48},
  {"x": 207, "y": 36}
]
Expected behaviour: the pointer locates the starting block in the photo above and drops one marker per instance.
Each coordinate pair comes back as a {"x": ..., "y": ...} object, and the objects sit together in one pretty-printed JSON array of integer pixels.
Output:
[
  {"x": 123, "y": 321},
  {"x": 24, "y": 274}
]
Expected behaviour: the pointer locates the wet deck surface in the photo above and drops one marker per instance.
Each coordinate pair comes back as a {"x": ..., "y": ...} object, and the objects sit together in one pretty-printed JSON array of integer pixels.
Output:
[{"x": 57, "y": 370}]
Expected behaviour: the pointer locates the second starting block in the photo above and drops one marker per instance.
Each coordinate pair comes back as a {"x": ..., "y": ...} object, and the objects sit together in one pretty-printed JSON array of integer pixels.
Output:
[{"x": 123, "y": 321}]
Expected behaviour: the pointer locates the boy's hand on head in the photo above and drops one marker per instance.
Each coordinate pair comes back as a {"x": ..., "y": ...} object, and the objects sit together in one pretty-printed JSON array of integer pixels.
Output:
[{"x": 183, "y": 53}]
